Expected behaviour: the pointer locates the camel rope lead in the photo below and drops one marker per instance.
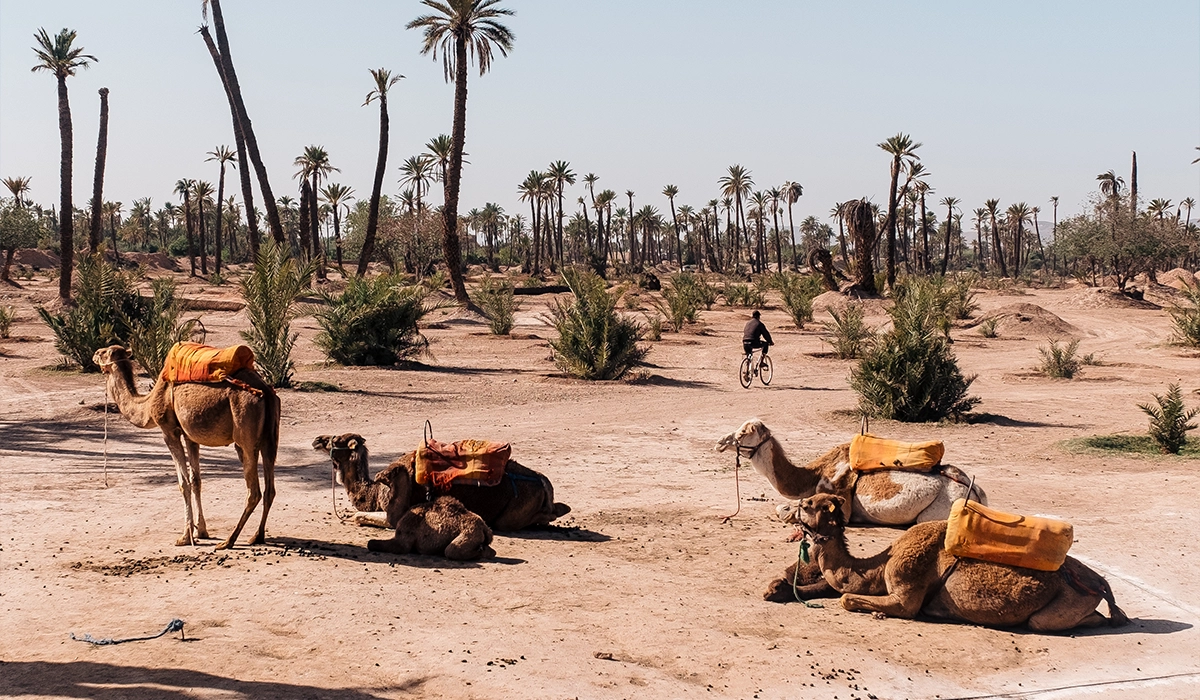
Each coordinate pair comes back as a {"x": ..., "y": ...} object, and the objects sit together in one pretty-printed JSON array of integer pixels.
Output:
[
  {"x": 333, "y": 491},
  {"x": 737, "y": 487},
  {"x": 106, "y": 432},
  {"x": 802, "y": 558},
  {"x": 175, "y": 625}
]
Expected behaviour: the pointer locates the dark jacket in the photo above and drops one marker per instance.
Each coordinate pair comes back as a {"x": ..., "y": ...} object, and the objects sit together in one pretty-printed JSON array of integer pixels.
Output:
[{"x": 755, "y": 330}]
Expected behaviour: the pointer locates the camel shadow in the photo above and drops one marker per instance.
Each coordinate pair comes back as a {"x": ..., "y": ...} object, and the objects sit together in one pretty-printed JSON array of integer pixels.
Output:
[
  {"x": 659, "y": 380},
  {"x": 562, "y": 533},
  {"x": 1006, "y": 422},
  {"x": 86, "y": 679},
  {"x": 412, "y": 366},
  {"x": 1136, "y": 625},
  {"x": 362, "y": 555}
]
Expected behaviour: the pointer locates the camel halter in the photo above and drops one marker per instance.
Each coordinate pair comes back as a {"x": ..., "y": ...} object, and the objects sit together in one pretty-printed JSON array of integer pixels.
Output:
[
  {"x": 105, "y": 369},
  {"x": 737, "y": 465},
  {"x": 333, "y": 484}
]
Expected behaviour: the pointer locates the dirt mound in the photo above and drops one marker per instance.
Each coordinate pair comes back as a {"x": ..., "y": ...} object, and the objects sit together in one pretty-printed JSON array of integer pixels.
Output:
[
  {"x": 158, "y": 261},
  {"x": 838, "y": 302},
  {"x": 1028, "y": 321},
  {"x": 1105, "y": 298},
  {"x": 1179, "y": 278},
  {"x": 37, "y": 259}
]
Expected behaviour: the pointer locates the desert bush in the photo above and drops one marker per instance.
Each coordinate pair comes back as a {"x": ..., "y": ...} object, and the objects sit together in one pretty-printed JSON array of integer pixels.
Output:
[
  {"x": 270, "y": 293},
  {"x": 909, "y": 373},
  {"x": 373, "y": 322},
  {"x": 696, "y": 287},
  {"x": 498, "y": 303},
  {"x": 1187, "y": 320},
  {"x": 654, "y": 327},
  {"x": 680, "y": 301},
  {"x": 435, "y": 281},
  {"x": 6, "y": 320},
  {"x": 988, "y": 328},
  {"x": 959, "y": 296},
  {"x": 851, "y": 335},
  {"x": 216, "y": 279},
  {"x": 744, "y": 295},
  {"x": 798, "y": 292},
  {"x": 151, "y": 340},
  {"x": 594, "y": 341},
  {"x": 107, "y": 304},
  {"x": 1060, "y": 361},
  {"x": 1170, "y": 420}
]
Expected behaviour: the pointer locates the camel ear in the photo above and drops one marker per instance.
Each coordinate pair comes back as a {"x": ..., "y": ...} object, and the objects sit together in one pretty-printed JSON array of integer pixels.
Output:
[
  {"x": 321, "y": 442},
  {"x": 353, "y": 444}
]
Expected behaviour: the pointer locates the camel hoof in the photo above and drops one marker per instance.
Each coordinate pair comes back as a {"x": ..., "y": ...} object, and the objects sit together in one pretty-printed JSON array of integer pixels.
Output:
[
  {"x": 225, "y": 545},
  {"x": 184, "y": 541}
]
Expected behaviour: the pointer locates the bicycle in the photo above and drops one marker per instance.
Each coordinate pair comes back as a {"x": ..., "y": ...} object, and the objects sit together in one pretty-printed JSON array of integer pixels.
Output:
[{"x": 751, "y": 369}]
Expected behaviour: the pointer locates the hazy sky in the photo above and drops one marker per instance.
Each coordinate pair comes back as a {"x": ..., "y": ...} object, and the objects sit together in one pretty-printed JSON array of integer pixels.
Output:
[{"x": 1015, "y": 100}]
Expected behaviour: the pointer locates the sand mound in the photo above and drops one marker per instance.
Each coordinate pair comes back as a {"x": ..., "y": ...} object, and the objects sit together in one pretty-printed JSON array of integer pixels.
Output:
[
  {"x": 37, "y": 259},
  {"x": 1028, "y": 321},
  {"x": 838, "y": 302},
  {"x": 159, "y": 261},
  {"x": 1104, "y": 298},
  {"x": 1179, "y": 278}
]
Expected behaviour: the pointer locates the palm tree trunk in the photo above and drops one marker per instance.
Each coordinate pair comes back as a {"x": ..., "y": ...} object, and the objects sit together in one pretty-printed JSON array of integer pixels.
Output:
[
  {"x": 450, "y": 244},
  {"x": 318, "y": 250},
  {"x": 66, "y": 216},
  {"x": 337, "y": 237},
  {"x": 861, "y": 223},
  {"x": 229, "y": 75},
  {"x": 220, "y": 219},
  {"x": 98, "y": 178},
  {"x": 368, "y": 247},
  {"x": 998, "y": 248},
  {"x": 112, "y": 230},
  {"x": 792, "y": 234},
  {"x": 890, "y": 223},
  {"x": 949, "y": 228},
  {"x": 305, "y": 220},
  {"x": 778, "y": 246},
  {"x": 191, "y": 241},
  {"x": 203, "y": 241}
]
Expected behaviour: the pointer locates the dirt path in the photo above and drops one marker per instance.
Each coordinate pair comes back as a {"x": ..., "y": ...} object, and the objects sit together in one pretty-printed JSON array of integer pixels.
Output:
[{"x": 640, "y": 592}]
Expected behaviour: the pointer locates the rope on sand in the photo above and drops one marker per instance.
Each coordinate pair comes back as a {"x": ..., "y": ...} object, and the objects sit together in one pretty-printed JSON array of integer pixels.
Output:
[{"x": 175, "y": 625}]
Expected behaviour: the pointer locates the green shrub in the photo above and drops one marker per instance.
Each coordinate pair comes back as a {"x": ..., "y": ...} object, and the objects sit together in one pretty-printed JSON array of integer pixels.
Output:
[
  {"x": 910, "y": 374},
  {"x": 594, "y": 341},
  {"x": 798, "y": 292},
  {"x": 372, "y": 322},
  {"x": 270, "y": 293},
  {"x": 987, "y": 328},
  {"x": 654, "y": 327},
  {"x": 680, "y": 301},
  {"x": 1060, "y": 361},
  {"x": 744, "y": 295},
  {"x": 6, "y": 319},
  {"x": 107, "y": 305},
  {"x": 498, "y": 303},
  {"x": 435, "y": 281},
  {"x": 960, "y": 298},
  {"x": 851, "y": 335},
  {"x": 1187, "y": 320},
  {"x": 216, "y": 279},
  {"x": 152, "y": 339},
  {"x": 1169, "y": 420}
]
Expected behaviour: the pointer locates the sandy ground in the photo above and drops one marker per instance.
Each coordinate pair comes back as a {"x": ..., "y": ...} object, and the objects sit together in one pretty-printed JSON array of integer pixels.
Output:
[{"x": 641, "y": 591}]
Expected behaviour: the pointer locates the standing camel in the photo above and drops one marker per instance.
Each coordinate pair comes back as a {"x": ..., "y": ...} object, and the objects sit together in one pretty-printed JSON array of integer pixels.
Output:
[{"x": 210, "y": 414}]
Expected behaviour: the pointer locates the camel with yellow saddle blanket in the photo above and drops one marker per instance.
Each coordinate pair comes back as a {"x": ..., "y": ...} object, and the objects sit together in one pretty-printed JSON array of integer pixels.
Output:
[{"x": 880, "y": 481}]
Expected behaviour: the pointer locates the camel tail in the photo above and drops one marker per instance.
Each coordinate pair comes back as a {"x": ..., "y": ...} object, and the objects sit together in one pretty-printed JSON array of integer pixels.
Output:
[
  {"x": 1116, "y": 616},
  {"x": 271, "y": 447}
]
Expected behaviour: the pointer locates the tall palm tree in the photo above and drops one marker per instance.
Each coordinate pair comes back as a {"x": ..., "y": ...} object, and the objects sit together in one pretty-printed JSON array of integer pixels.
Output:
[
  {"x": 604, "y": 211},
  {"x": 839, "y": 212},
  {"x": 714, "y": 245},
  {"x": 314, "y": 165},
  {"x": 1054, "y": 231},
  {"x": 417, "y": 172},
  {"x": 774, "y": 195},
  {"x": 384, "y": 80},
  {"x": 112, "y": 210},
  {"x": 1188, "y": 204},
  {"x": 337, "y": 196},
  {"x": 183, "y": 188},
  {"x": 758, "y": 212},
  {"x": 1018, "y": 215},
  {"x": 979, "y": 214},
  {"x": 993, "y": 206},
  {"x": 143, "y": 213},
  {"x": 899, "y": 147},
  {"x": 1110, "y": 184},
  {"x": 735, "y": 185},
  {"x": 19, "y": 187},
  {"x": 440, "y": 147},
  {"x": 459, "y": 28},
  {"x": 530, "y": 191},
  {"x": 951, "y": 203},
  {"x": 560, "y": 174},
  {"x": 670, "y": 192},
  {"x": 632, "y": 236},
  {"x": 202, "y": 192},
  {"x": 59, "y": 57},
  {"x": 241, "y": 118},
  {"x": 98, "y": 178},
  {"x": 224, "y": 157},
  {"x": 792, "y": 191}
]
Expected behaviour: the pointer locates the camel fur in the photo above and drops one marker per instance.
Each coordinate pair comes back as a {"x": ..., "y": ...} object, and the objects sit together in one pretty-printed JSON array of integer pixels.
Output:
[
  {"x": 916, "y": 575},
  {"x": 523, "y": 498},
  {"x": 442, "y": 527},
  {"x": 213, "y": 415},
  {"x": 884, "y": 497}
]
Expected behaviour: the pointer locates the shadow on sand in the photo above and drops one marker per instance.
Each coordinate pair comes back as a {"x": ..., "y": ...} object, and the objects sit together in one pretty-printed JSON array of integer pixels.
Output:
[{"x": 356, "y": 553}]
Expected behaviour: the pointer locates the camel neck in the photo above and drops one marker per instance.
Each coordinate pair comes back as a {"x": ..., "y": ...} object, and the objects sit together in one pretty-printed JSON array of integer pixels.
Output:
[
  {"x": 123, "y": 390},
  {"x": 791, "y": 482}
]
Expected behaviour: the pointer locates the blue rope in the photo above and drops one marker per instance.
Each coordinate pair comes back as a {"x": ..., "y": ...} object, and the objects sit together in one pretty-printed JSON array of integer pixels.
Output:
[{"x": 175, "y": 625}]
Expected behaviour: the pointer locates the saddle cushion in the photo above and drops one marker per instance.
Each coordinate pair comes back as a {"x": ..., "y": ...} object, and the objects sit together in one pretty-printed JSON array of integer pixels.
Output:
[
  {"x": 193, "y": 362},
  {"x": 467, "y": 461},
  {"x": 869, "y": 453},
  {"x": 979, "y": 532}
]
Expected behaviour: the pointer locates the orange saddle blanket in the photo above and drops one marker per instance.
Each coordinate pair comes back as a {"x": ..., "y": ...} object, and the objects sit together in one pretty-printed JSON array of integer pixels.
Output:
[
  {"x": 478, "y": 462},
  {"x": 870, "y": 453},
  {"x": 193, "y": 362},
  {"x": 979, "y": 532}
]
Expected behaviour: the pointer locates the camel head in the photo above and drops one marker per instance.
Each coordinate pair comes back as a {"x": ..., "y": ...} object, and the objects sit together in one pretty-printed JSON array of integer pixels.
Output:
[
  {"x": 822, "y": 515},
  {"x": 110, "y": 356},
  {"x": 349, "y": 455},
  {"x": 750, "y": 435}
]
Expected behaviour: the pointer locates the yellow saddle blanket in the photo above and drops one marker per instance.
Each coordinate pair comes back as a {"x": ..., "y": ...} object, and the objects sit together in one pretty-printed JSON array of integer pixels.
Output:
[
  {"x": 193, "y": 362},
  {"x": 477, "y": 462},
  {"x": 979, "y": 532},
  {"x": 870, "y": 453}
]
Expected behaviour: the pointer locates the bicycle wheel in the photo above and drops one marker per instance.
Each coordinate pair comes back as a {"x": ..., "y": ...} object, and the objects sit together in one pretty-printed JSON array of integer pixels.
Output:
[
  {"x": 764, "y": 370},
  {"x": 744, "y": 375}
]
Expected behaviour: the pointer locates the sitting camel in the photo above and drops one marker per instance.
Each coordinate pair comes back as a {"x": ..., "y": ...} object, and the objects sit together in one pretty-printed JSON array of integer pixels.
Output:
[
  {"x": 523, "y": 497},
  {"x": 916, "y": 574},
  {"x": 444, "y": 527},
  {"x": 884, "y": 497},
  {"x": 212, "y": 414}
]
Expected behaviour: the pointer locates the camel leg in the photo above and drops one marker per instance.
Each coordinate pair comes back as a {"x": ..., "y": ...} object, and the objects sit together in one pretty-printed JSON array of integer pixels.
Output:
[
  {"x": 464, "y": 547},
  {"x": 193, "y": 451},
  {"x": 253, "y": 494},
  {"x": 371, "y": 519},
  {"x": 268, "y": 461},
  {"x": 181, "y": 472},
  {"x": 903, "y": 602},
  {"x": 396, "y": 545},
  {"x": 1068, "y": 609}
]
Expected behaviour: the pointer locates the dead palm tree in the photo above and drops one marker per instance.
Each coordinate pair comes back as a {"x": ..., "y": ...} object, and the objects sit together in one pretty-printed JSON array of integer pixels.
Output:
[
  {"x": 860, "y": 220},
  {"x": 224, "y": 157},
  {"x": 457, "y": 29},
  {"x": 98, "y": 177},
  {"x": 899, "y": 146},
  {"x": 337, "y": 196},
  {"x": 59, "y": 57},
  {"x": 384, "y": 80}
]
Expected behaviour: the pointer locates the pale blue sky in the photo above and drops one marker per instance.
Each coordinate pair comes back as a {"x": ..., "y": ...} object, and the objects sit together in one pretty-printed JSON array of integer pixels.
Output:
[{"x": 1015, "y": 100}]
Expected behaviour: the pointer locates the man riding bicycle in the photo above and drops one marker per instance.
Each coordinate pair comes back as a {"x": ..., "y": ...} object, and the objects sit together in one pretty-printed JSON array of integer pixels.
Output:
[{"x": 756, "y": 335}]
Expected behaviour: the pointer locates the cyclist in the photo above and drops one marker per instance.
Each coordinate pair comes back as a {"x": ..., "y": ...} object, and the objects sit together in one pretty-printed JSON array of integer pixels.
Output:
[{"x": 756, "y": 335}]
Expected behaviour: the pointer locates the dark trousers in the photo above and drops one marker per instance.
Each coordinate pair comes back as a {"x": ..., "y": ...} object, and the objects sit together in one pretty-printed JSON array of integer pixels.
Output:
[{"x": 749, "y": 345}]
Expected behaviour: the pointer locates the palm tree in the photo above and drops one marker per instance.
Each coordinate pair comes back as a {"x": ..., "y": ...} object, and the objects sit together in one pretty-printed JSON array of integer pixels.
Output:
[
  {"x": 792, "y": 191},
  {"x": 1054, "y": 231},
  {"x": 1110, "y": 184},
  {"x": 19, "y": 187},
  {"x": 993, "y": 206},
  {"x": 224, "y": 157},
  {"x": 241, "y": 118},
  {"x": 202, "y": 192},
  {"x": 530, "y": 191},
  {"x": 670, "y": 191},
  {"x": 98, "y": 178},
  {"x": 142, "y": 211},
  {"x": 57, "y": 56},
  {"x": 775, "y": 194},
  {"x": 1198, "y": 159},
  {"x": 1186, "y": 204},
  {"x": 758, "y": 212},
  {"x": 979, "y": 214},
  {"x": 417, "y": 172},
  {"x": 951, "y": 203},
  {"x": 314, "y": 164},
  {"x": 460, "y": 27},
  {"x": 112, "y": 210},
  {"x": 632, "y": 236},
  {"x": 1018, "y": 215},
  {"x": 735, "y": 185},
  {"x": 604, "y": 211},
  {"x": 839, "y": 212},
  {"x": 899, "y": 146},
  {"x": 384, "y": 80},
  {"x": 184, "y": 189},
  {"x": 337, "y": 196},
  {"x": 440, "y": 147},
  {"x": 560, "y": 174}
]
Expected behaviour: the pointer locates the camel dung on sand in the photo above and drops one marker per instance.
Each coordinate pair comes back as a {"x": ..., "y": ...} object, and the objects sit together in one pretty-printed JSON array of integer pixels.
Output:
[
  {"x": 209, "y": 414},
  {"x": 884, "y": 497},
  {"x": 916, "y": 574},
  {"x": 442, "y": 527},
  {"x": 523, "y": 498}
]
